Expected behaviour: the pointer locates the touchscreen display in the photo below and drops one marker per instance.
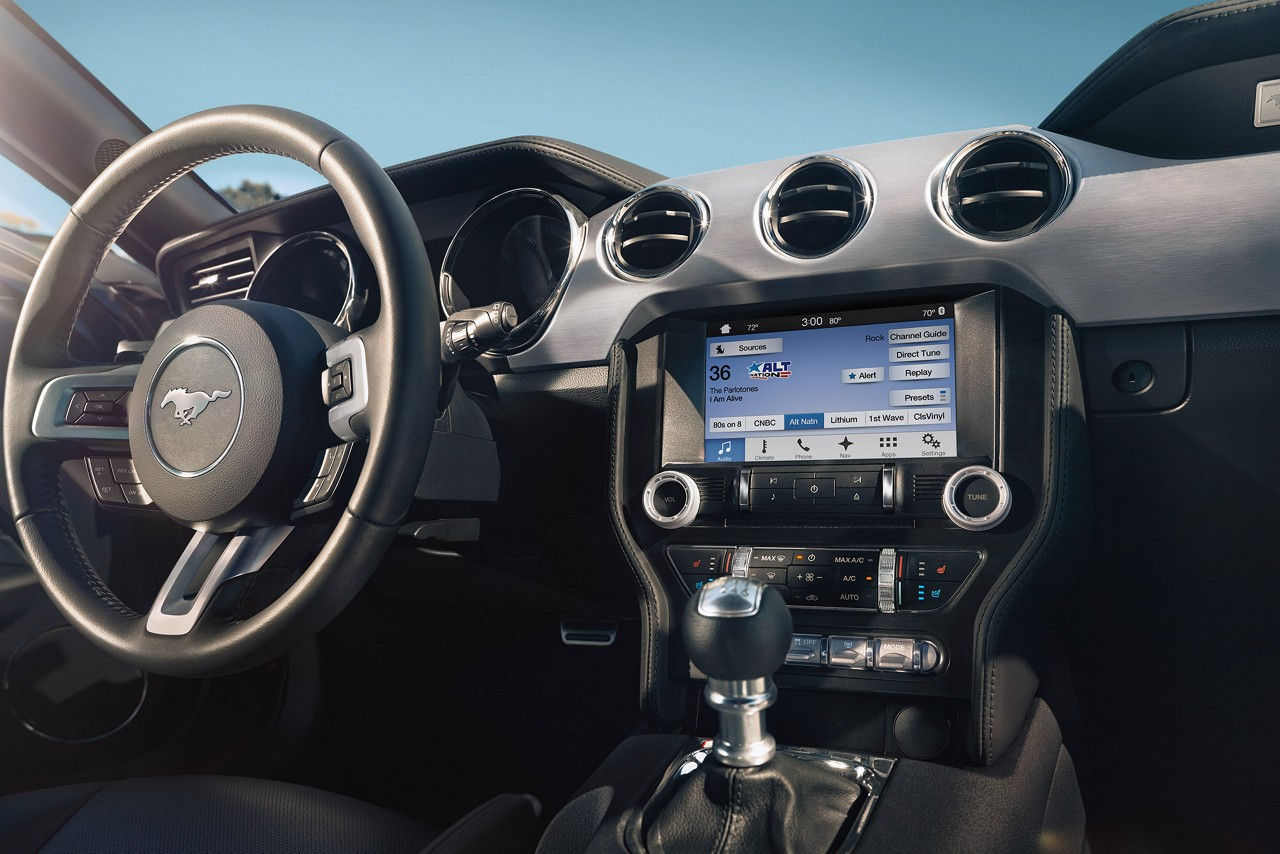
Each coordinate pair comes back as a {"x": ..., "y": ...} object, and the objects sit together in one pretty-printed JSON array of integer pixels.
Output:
[{"x": 866, "y": 385}]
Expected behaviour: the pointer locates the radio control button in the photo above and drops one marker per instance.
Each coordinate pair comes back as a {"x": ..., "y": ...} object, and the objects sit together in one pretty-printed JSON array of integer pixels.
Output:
[
  {"x": 863, "y": 478},
  {"x": 671, "y": 499},
  {"x": 772, "y": 479},
  {"x": 814, "y": 487},
  {"x": 976, "y": 498}
]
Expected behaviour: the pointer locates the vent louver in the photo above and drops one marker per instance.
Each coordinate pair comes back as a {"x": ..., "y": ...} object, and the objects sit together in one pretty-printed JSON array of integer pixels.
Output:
[
  {"x": 223, "y": 276},
  {"x": 654, "y": 231},
  {"x": 1005, "y": 185},
  {"x": 816, "y": 206}
]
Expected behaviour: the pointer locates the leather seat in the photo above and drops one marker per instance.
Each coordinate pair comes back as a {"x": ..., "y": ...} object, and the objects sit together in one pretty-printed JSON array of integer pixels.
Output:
[{"x": 221, "y": 814}]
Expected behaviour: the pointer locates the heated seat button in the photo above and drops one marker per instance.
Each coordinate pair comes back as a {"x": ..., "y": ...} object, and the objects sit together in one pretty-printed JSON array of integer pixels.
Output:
[
  {"x": 696, "y": 561},
  {"x": 925, "y": 595},
  {"x": 939, "y": 566},
  {"x": 696, "y": 582}
]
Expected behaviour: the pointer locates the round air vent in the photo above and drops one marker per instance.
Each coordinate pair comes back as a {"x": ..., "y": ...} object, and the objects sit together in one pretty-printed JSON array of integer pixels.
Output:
[
  {"x": 654, "y": 231},
  {"x": 815, "y": 206},
  {"x": 1004, "y": 185}
]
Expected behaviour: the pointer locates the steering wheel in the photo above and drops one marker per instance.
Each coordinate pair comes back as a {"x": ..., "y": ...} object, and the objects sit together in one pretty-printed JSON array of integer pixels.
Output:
[{"x": 237, "y": 414}]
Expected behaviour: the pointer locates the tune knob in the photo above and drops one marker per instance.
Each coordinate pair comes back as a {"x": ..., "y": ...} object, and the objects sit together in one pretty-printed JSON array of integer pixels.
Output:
[
  {"x": 671, "y": 499},
  {"x": 976, "y": 498}
]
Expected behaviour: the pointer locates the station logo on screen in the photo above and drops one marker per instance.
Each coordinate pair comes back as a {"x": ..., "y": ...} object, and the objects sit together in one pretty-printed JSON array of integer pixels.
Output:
[{"x": 769, "y": 370}]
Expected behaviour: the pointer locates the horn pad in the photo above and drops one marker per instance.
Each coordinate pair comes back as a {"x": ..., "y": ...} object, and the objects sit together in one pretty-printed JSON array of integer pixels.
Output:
[{"x": 226, "y": 418}]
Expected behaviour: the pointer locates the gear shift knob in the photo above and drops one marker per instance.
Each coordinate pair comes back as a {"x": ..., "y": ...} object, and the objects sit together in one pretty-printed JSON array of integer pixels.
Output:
[{"x": 738, "y": 631}]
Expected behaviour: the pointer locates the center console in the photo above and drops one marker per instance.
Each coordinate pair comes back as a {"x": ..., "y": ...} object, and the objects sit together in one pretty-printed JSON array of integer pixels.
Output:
[{"x": 908, "y": 477}]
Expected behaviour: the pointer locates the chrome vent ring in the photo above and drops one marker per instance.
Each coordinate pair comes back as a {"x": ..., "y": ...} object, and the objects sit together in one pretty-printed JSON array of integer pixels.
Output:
[
  {"x": 815, "y": 206},
  {"x": 655, "y": 231}
]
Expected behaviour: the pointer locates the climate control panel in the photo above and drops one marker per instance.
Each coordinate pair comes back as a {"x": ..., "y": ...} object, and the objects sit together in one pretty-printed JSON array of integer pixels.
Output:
[{"x": 863, "y": 578}]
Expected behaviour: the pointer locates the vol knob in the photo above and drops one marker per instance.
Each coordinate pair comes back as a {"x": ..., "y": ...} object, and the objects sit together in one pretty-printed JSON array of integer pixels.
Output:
[{"x": 671, "y": 499}]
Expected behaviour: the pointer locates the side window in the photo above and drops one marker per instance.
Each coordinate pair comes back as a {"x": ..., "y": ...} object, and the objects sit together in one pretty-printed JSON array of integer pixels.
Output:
[{"x": 26, "y": 205}]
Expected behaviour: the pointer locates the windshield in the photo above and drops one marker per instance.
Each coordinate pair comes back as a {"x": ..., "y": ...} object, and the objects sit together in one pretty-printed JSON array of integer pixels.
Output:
[{"x": 677, "y": 87}]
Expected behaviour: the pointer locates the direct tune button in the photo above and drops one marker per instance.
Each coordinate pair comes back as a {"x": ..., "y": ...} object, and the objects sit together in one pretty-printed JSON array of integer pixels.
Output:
[
  {"x": 671, "y": 499},
  {"x": 976, "y": 498}
]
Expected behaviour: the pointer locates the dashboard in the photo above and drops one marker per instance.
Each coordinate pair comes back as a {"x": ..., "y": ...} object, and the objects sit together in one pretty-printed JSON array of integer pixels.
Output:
[{"x": 853, "y": 375}]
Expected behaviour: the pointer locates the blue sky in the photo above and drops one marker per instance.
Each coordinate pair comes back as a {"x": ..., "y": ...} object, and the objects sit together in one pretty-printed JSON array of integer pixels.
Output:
[{"x": 679, "y": 87}]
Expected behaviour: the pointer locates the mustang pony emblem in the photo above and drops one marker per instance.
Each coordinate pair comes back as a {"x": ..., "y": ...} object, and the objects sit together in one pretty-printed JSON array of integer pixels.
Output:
[{"x": 187, "y": 405}]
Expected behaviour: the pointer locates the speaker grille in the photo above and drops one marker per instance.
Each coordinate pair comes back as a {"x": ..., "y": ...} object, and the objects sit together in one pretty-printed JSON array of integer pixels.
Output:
[{"x": 107, "y": 153}]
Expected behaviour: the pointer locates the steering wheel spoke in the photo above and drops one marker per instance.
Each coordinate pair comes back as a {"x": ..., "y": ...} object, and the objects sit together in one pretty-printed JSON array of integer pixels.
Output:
[{"x": 208, "y": 562}]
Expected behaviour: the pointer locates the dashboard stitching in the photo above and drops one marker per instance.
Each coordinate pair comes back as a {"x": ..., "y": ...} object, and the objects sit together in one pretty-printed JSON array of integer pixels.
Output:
[
  {"x": 617, "y": 375},
  {"x": 1059, "y": 394}
]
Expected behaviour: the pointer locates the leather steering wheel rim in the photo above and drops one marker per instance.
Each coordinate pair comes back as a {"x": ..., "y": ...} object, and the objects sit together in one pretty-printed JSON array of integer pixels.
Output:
[{"x": 403, "y": 361}]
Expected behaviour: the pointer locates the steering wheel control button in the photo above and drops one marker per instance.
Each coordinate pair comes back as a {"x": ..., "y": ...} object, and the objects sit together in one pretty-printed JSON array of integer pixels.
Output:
[
  {"x": 807, "y": 649},
  {"x": 135, "y": 495},
  {"x": 115, "y": 482},
  {"x": 338, "y": 383},
  {"x": 671, "y": 499},
  {"x": 98, "y": 407},
  {"x": 122, "y": 470},
  {"x": 976, "y": 498}
]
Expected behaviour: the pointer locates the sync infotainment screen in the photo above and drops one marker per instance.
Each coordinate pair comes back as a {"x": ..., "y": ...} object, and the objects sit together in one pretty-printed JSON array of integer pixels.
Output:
[{"x": 875, "y": 384}]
